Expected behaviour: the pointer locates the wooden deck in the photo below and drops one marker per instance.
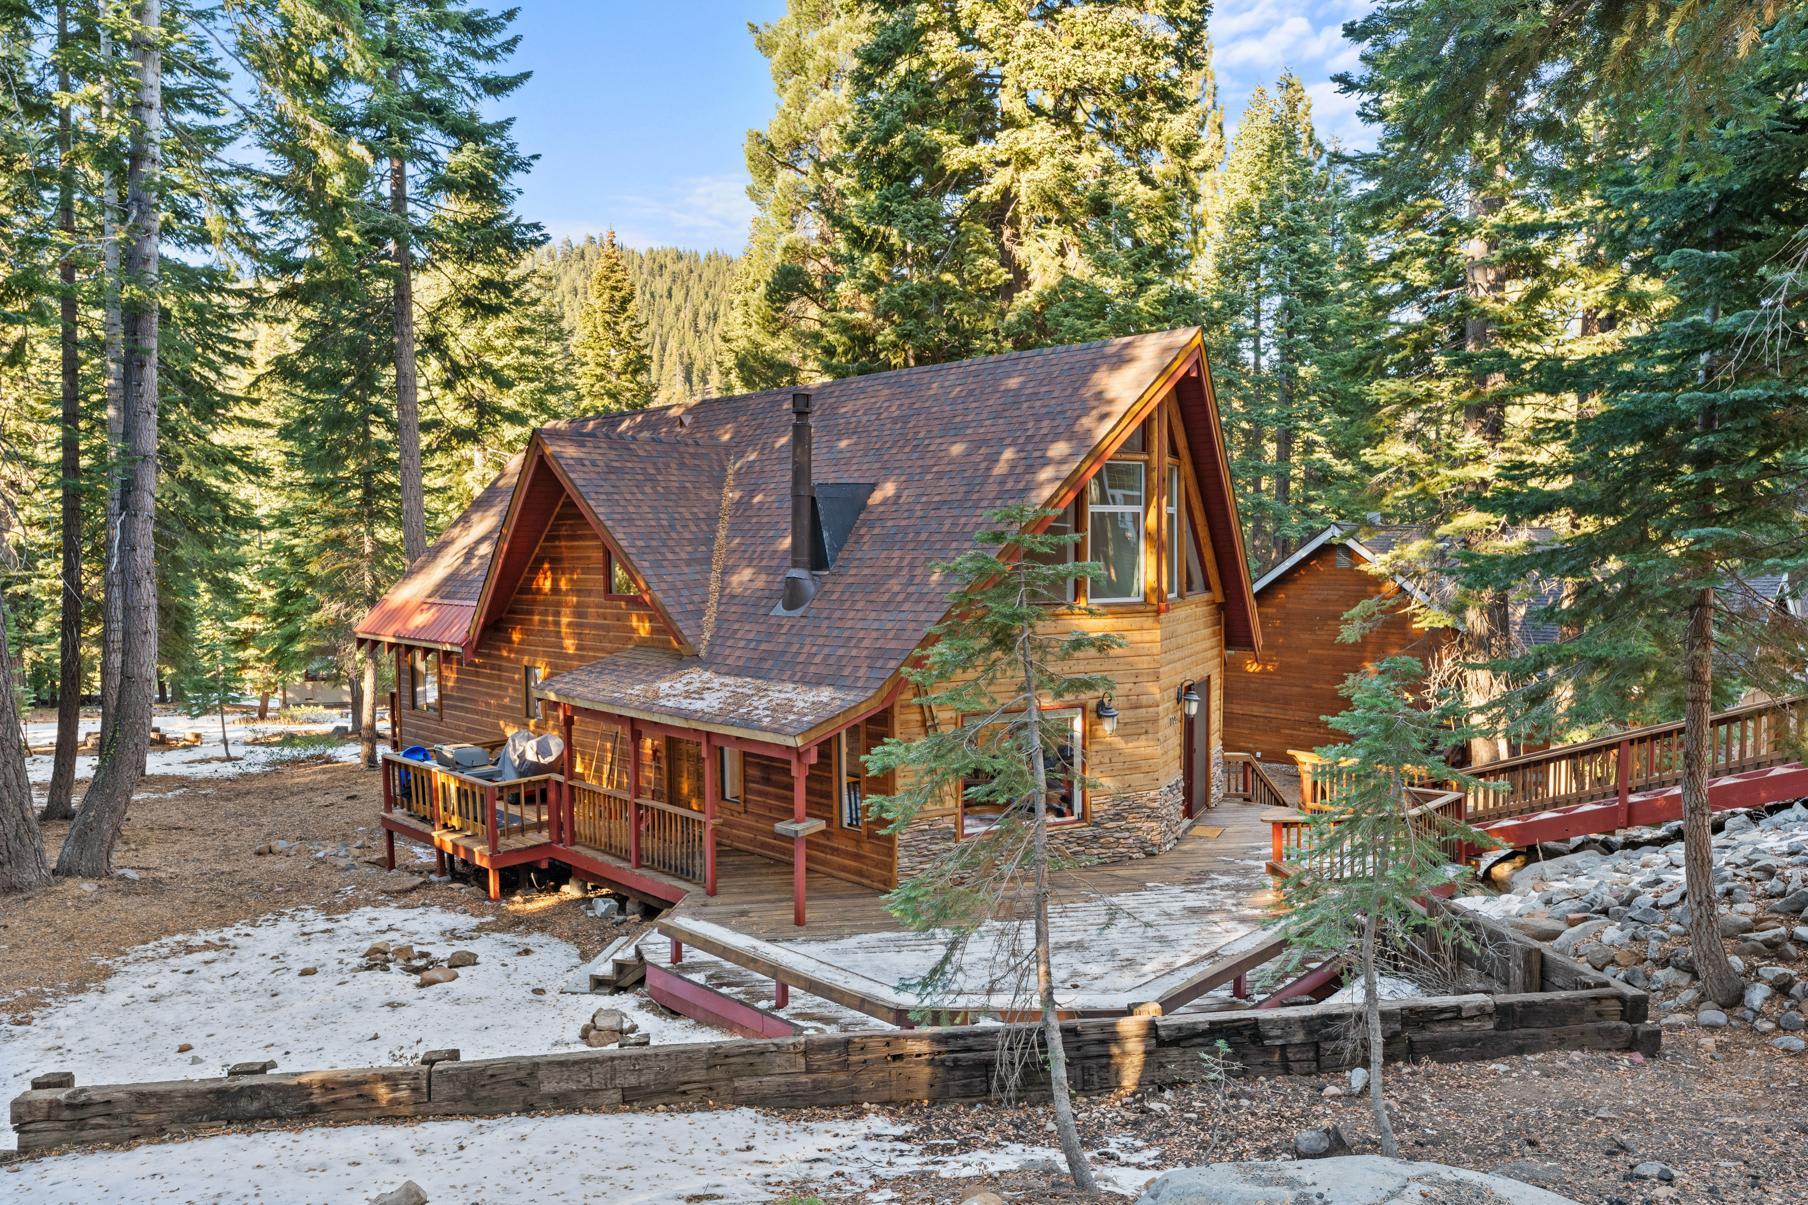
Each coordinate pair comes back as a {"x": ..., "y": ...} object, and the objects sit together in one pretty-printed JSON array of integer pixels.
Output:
[{"x": 1127, "y": 936}]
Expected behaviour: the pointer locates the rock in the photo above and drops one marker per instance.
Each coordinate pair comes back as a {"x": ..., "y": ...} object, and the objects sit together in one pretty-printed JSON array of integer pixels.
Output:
[
  {"x": 1758, "y": 995},
  {"x": 1646, "y": 916},
  {"x": 409, "y": 1193},
  {"x": 1790, "y": 1044},
  {"x": 130, "y": 876},
  {"x": 573, "y": 889},
  {"x": 257, "y": 1068},
  {"x": 1793, "y": 904},
  {"x": 399, "y": 882},
  {"x": 308, "y": 971},
  {"x": 1320, "y": 1144},
  {"x": 378, "y": 950},
  {"x": 1737, "y": 823},
  {"x": 1538, "y": 928},
  {"x": 1585, "y": 931},
  {"x": 1671, "y": 977},
  {"x": 1711, "y": 1018},
  {"x": 1651, "y": 1169},
  {"x": 448, "y": 1054},
  {"x": 1778, "y": 977},
  {"x": 462, "y": 958},
  {"x": 1569, "y": 866},
  {"x": 612, "y": 1018},
  {"x": 635, "y": 1039},
  {"x": 1359, "y": 1078},
  {"x": 984, "y": 1198},
  {"x": 436, "y": 975},
  {"x": 403, "y": 953},
  {"x": 1350, "y": 1180},
  {"x": 185, "y": 1047},
  {"x": 1732, "y": 925},
  {"x": 1595, "y": 954},
  {"x": 597, "y": 1038},
  {"x": 605, "y": 907}
]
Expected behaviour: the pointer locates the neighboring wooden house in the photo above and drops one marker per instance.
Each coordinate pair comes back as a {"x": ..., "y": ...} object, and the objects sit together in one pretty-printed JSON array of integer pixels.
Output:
[
  {"x": 1275, "y": 701},
  {"x": 713, "y": 602}
]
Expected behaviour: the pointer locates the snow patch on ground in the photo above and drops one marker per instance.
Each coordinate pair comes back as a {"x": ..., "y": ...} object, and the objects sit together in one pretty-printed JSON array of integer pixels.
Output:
[
  {"x": 204, "y": 761},
  {"x": 237, "y": 995},
  {"x": 624, "y": 1158},
  {"x": 1102, "y": 944}
]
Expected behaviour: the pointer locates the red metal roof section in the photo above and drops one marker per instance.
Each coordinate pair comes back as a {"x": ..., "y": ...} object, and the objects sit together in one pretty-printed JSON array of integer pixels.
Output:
[{"x": 404, "y": 620}]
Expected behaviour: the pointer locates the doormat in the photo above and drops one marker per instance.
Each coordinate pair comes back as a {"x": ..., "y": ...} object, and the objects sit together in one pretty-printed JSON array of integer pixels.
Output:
[{"x": 1208, "y": 830}]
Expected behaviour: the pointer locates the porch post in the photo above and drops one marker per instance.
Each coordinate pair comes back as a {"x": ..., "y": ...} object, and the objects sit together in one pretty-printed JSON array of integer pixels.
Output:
[
  {"x": 799, "y": 777},
  {"x": 712, "y": 788},
  {"x": 395, "y": 702},
  {"x": 633, "y": 793},
  {"x": 569, "y": 770},
  {"x": 1624, "y": 785}
]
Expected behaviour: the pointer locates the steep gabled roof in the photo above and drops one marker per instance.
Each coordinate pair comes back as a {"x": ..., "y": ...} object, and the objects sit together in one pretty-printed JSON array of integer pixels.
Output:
[
  {"x": 433, "y": 602},
  {"x": 694, "y": 498}
]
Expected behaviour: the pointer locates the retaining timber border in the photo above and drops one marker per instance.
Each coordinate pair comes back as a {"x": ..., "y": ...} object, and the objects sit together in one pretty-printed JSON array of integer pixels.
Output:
[{"x": 1559, "y": 1004}]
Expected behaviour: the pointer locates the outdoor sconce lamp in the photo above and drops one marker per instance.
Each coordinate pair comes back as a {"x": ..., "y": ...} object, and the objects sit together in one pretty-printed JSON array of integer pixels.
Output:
[
  {"x": 1188, "y": 698},
  {"x": 1107, "y": 715}
]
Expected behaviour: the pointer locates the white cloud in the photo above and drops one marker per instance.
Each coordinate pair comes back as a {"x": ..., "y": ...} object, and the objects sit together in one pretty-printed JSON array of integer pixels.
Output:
[{"x": 704, "y": 213}]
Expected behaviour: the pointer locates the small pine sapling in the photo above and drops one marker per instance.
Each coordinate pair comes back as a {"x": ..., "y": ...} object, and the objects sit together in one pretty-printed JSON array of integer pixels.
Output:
[
  {"x": 1380, "y": 847},
  {"x": 997, "y": 662}
]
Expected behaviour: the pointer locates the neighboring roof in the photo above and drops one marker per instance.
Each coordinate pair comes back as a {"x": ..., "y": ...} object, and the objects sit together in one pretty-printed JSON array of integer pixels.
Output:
[
  {"x": 695, "y": 497},
  {"x": 1372, "y": 542},
  {"x": 434, "y": 602}
]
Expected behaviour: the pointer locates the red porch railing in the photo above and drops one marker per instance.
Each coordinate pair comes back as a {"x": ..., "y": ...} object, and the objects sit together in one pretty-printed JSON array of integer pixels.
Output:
[
  {"x": 449, "y": 801},
  {"x": 643, "y": 832},
  {"x": 1432, "y": 814}
]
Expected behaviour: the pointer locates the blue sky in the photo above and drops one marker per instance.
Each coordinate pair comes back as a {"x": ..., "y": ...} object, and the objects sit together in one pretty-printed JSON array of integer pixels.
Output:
[{"x": 638, "y": 110}]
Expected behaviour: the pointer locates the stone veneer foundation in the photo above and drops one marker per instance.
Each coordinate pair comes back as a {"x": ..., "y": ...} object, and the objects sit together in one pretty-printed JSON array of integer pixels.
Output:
[{"x": 1122, "y": 828}]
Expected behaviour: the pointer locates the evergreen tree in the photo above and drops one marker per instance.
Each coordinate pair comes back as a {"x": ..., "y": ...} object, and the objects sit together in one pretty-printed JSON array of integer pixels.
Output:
[
  {"x": 994, "y": 658},
  {"x": 1688, "y": 476},
  {"x": 1002, "y": 178},
  {"x": 1379, "y": 852},
  {"x": 611, "y": 341},
  {"x": 1282, "y": 319}
]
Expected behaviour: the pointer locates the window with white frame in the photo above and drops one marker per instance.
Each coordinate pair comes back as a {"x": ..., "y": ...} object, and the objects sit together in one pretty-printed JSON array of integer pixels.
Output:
[
  {"x": 423, "y": 680},
  {"x": 1114, "y": 505},
  {"x": 1175, "y": 531},
  {"x": 1063, "y": 751},
  {"x": 728, "y": 773}
]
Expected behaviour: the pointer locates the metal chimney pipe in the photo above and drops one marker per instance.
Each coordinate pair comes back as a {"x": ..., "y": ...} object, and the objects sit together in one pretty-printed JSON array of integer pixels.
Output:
[{"x": 800, "y": 583}]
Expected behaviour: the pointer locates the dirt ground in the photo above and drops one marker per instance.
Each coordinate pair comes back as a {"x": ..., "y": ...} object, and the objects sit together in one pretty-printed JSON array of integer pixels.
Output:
[
  {"x": 192, "y": 845},
  {"x": 1726, "y": 1115}
]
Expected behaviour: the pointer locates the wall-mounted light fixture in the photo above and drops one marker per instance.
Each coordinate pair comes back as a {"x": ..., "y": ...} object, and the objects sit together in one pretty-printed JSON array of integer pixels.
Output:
[
  {"x": 1107, "y": 715},
  {"x": 1188, "y": 698}
]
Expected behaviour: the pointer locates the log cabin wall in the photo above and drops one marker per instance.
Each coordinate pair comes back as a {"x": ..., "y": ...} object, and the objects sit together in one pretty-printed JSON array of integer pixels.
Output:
[
  {"x": 1275, "y": 703},
  {"x": 561, "y": 617}
]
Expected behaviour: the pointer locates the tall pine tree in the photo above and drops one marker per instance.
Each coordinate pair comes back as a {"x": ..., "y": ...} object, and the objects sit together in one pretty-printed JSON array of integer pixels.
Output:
[{"x": 611, "y": 341}]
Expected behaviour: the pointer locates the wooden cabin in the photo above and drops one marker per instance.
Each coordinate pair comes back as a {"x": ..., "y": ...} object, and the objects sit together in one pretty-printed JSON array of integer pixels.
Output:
[
  {"x": 1277, "y": 701},
  {"x": 712, "y": 604}
]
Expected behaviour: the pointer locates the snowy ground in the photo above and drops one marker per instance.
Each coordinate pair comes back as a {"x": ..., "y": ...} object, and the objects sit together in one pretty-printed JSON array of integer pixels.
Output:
[
  {"x": 238, "y": 995},
  {"x": 206, "y": 760},
  {"x": 1106, "y": 945},
  {"x": 626, "y": 1159}
]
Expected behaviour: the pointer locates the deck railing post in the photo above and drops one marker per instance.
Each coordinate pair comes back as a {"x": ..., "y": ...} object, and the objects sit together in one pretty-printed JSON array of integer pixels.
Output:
[
  {"x": 1624, "y": 785},
  {"x": 489, "y": 815},
  {"x": 799, "y": 778},
  {"x": 633, "y": 796},
  {"x": 388, "y": 784},
  {"x": 712, "y": 787}
]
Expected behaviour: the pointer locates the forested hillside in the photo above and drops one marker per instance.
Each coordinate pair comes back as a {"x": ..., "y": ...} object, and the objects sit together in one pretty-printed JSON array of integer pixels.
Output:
[{"x": 683, "y": 297}]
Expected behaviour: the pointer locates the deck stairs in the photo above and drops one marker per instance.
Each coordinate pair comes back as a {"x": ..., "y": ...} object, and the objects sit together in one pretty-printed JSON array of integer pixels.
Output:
[
  {"x": 619, "y": 966},
  {"x": 1746, "y": 789}
]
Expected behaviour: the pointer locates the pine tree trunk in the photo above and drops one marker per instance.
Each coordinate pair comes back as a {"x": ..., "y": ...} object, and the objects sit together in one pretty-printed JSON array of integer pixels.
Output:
[
  {"x": 1283, "y": 478},
  {"x": 225, "y": 744},
  {"x": 22, "y": 863},
  {"x": 1371, "y": 1015},
  {"x": 88, "y": 850},
  {"x": 1059, "y": 1091},
  {"x": 408, "y": 404},
  {"x": 59, "y": 802},
  {"x": 112, "y": 596},
  {"x": 367, "y": 709},
  {"x": 1486, "y": 619},
  {"x": 1718, "y": 979}
]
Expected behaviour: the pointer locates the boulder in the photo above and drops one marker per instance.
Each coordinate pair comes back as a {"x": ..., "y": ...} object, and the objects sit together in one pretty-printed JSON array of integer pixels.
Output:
[
  {"x": 409, "y": 1193},
  {"x": 462, "y": 958},
  {"x": 1551, "y": 870},
  {"x": 1651, "y": 1169},
  {"x": 1790, "y": 1044},
  {"x": 1349, "y": 1180},
  {"x": 1711, "y": 1018},
  {"x": 1793, "y": 904},
  {"x": 1320, "y": 1144},
  {"x": 436, "y": 975}
]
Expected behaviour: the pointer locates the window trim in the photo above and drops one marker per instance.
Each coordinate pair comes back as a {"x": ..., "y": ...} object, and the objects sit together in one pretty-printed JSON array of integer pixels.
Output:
[
  {"x": 1076, "y": 716},
  {"x": 844, "y": 778},
  {"x": 1173, "y": 503},
  {"x": 1139, "y": 510},
  {"x": 613, "y": 564},
  {"x": 531, "y": 677},
  {"x": 731, "y": 764},
  {"x": 418, "y": 672}
]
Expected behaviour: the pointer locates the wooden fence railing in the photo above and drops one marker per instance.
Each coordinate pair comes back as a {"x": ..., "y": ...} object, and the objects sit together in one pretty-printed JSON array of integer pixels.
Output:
[
  {"x": 1248, "y": 780},
  {"x": 450, "y": 801},
  {"x": 1753, "y": 737},
  {"x": 1298, "y": 844},
  {"x": 644, "y": 832}
]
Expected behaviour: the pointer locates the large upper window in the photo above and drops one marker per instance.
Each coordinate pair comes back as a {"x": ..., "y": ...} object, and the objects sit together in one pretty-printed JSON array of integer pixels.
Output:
[{"x": 1114, "y": 506}]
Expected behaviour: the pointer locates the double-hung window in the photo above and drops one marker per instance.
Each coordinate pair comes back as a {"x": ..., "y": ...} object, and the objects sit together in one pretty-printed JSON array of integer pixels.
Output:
[
  {"x": 729, "y": 769},
  {"x": 1114, "y": 505},
  {"x": 423, "y": 681}
]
